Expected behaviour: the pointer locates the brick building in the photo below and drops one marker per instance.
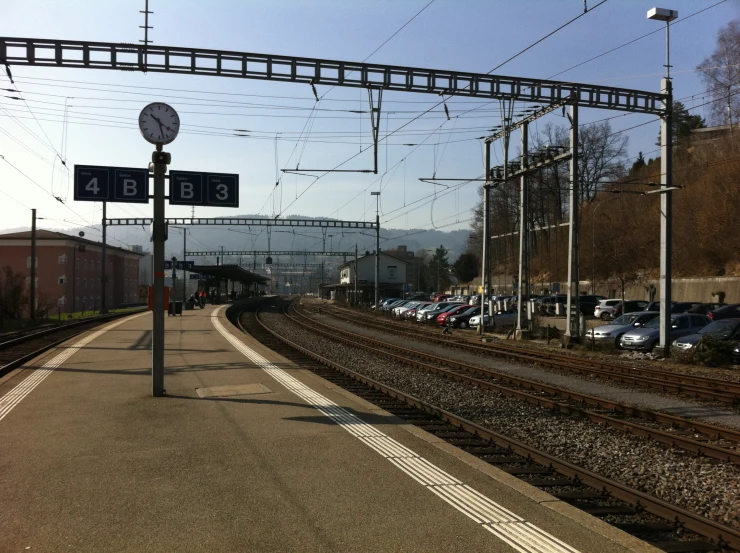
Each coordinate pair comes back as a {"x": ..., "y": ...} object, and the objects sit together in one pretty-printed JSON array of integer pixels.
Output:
[{"x": 68, "y": 270}]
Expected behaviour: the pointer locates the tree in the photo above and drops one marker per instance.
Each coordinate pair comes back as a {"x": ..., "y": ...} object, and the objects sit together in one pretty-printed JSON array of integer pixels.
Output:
[
  {"x": 466, "y": 267},
  {"x": 683, "y": 124},
  {"x": 602, "y": 154},
  {"x": 438, "y": 269},
  {"x": 721, "y": 75},
  {"x": 13, "y": 295}
]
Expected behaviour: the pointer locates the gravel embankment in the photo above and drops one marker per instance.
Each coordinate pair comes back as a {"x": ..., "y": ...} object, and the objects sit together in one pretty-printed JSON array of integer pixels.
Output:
[{"x": 705, "y": 486}]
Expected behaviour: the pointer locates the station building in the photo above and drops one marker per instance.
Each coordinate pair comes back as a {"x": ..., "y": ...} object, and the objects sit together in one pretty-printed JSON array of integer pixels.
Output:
[
  {"x": 68, "y": 270},
  {"x": 392, "y": 282}
]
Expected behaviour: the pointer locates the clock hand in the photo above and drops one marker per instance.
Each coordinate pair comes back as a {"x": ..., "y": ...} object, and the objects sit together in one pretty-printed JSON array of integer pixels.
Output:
[{"x": 160, "y": 123}]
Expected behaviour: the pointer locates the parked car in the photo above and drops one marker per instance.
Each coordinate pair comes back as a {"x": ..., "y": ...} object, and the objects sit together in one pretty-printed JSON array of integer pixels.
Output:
[
  {"x": 655, "y": 306},
  {"x": 442, "y": 317},
  {"x": 393, "y": 304},
  {"x": 613, "y": 331},
  {"x": 736, "y": 355},
  {"x": 705, "y": 308},
  {"x": 462, "y": 320},
  {"x": 410, "y": 315},
  {"x": 630, "y": 306},
  {"x": 440, "y": 297},
  {"x": 398, "y": 310},
  {"x": 647, "y": 337},
  {"x": 605, "y": 309},
  {"x": 724, "y": 329},
  {"x": 500, "y": 318},
  {"x": 588, "y": 304},
  {"x": 684, "y": 306},
  {"x": 546, "y": 304},
  {"x": 387, "y": 301},
  {"x": 432, "y": 310},
  {"x": 726, "y": 312}
]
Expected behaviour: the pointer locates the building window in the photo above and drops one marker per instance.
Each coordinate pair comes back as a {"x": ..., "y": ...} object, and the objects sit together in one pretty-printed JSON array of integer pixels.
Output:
[
  {"x": 98, "y": 265},
  {"x": 77, "y": 302},
  {"x": 61, "y": 302},
  {"x": 28, "y": 262},
  {"x": 63, "y": 279},
  {"x": 35, "y": 280},
  {"x": 62, "y": 259},
  {"x": 391, "y": 272},
  {"x": 77, "y": 264},
  {"x": 84, "y": 264},
  {"x": 84, "y": 283}
]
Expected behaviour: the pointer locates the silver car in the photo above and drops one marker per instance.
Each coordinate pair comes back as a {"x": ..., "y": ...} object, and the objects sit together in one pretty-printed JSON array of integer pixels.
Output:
[
  {"x": 431, "y": 311},
  {"x": 646, "y": 338},
  {"x": 613, "y": 331}
]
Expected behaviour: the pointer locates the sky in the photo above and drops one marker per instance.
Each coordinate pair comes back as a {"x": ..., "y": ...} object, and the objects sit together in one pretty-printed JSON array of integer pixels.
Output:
[{"x": 289, "y": 129}]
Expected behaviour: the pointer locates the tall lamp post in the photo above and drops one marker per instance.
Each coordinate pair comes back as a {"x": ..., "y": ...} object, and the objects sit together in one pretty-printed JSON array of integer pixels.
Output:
[
  {"x": 666, "y": 181},
  {"x": 593, "y": 243},
  {"x": 377, "y": 247}
]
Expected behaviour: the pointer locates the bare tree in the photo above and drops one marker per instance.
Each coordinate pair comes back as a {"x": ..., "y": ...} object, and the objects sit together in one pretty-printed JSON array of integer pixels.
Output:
[
  {"x": 602, "y": 154},
  {"x": 721, "y": 74},
  {"x": 13, "y": 295}
]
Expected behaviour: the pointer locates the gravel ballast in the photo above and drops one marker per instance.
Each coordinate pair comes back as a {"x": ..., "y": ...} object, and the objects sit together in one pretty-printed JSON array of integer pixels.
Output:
[{"x": 705, "y": 486}]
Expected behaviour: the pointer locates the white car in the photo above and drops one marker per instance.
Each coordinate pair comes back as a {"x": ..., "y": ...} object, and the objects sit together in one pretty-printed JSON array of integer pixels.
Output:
[
  {"x": 605, "y": 309},
  {"x": 500, "y": 319}
]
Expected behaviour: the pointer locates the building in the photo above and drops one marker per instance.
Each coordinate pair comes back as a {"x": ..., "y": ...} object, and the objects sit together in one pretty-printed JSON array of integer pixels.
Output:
[
  {"x": 68, "y": 270},
  {"x": 393, "y": 278},
  {"x": 412, "y": 268}
]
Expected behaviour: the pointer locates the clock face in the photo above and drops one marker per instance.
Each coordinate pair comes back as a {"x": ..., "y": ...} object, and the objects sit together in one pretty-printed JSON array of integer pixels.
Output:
[{"x": 159, "y": 123}]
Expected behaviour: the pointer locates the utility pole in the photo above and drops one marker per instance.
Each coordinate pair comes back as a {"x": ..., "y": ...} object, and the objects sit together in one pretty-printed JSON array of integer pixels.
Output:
[
  {"x": 377, "y": 247},
  {"x": 160, "y": 160},
  {"x": 666, "y": 217},
  {"x": 33, "y": 265},
  {"x": 103, "y": 277},
  {"x": 355, "y": 271},
  {"x": 523, "y": 217},
  {"x": 573, "y": 302},
  {"x": 486, "y": 214},
  {"x": 184, "y": 254}
]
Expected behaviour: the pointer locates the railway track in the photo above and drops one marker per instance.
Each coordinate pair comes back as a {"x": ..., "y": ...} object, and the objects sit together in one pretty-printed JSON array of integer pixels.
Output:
[
  {"x": 19, "y": 350},
  {"x": 664, "y": 525},
  {"x": 714, "y": 441},
  {"x": 719, "y": 390}
]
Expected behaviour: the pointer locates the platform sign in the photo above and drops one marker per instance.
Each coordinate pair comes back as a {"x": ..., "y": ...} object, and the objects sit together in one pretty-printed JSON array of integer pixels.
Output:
[
  {"x": 195, "y": 276},
  {"x": 187, "y": 265},
  {"x": 204, "y": 189},
  {"x": 168, "y": 265},
  {"x": 94, "y": 183}
]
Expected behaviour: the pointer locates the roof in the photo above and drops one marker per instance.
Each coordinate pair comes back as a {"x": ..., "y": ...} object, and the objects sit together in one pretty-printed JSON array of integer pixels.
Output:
[
  {"x": 42, "y": 234},
  {"x": 382, "y": 253},
  {"x": 230, "y": 272}
]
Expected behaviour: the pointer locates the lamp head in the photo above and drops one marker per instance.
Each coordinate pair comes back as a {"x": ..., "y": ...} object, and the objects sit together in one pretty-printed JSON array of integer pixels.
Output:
[{"x": 662, "y": 14}]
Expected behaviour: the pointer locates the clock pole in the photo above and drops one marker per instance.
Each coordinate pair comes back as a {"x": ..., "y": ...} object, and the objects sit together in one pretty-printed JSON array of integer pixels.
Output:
[{"x": 160, "y": 160}]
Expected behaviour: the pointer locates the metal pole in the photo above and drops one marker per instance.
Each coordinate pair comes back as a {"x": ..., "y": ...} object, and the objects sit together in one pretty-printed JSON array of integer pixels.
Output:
[
  {"x": 486, "y": 231},
  {"x": 103, "y": 277},
  {"x": 666, "y": 208},
  {"x": 573, "y": 302},
  {"x": 522, "y": 229},
  {"x": 377, "y": 250},
  {"x": 33, "y": 265},
  {"x": 355, "y": 271},
  {"x": 160, "y": 160},
  {"x": 184, "y": 253}
]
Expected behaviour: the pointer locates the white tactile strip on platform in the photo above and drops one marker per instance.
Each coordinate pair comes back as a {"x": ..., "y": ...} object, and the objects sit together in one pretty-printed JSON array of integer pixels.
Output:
[
  {"x": 507, "y": 526},
  {"x": 16, "y": 395}
]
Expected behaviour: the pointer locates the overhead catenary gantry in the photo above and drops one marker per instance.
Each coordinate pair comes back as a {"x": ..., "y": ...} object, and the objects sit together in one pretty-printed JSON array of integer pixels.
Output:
[
  {"x": 247, "y": 222},
  {"x": 267, "y": 252},
  {"x": 314, "y": 71}
]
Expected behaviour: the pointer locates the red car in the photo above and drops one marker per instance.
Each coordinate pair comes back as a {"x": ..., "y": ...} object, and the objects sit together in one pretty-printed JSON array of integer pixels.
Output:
[
  {"x": 440, "y": 297},
  {"x": 442, "y": 317}
]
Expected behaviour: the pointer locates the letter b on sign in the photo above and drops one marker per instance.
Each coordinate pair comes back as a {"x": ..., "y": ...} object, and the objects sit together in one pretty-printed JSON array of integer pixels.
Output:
[
  {"x": 186, "y": 190},
  {"x": 131, "y": 185}
]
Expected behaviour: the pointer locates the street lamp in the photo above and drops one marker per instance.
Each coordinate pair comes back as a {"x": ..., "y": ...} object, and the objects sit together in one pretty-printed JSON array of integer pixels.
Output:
[
  {"x": 593, "y": 244},
  {"x": 662, "y": 14},
  {"x": 377, "y": 247},
  {"x": 666, "y": 181}
]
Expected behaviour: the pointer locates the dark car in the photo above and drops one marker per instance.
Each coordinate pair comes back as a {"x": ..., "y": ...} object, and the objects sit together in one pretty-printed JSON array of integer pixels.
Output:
[
  {"x": 630, "y": 306},
  {"x": 706, "y": 308},
  {"x": 655, "y": 306},
  {"x": 589, "y": 303},
  {"x": 462, "y": 320},
  {"x": 731, "y": 311},
  {"x": 684, "y": 306},
  {"x": 724, "y": 329}
]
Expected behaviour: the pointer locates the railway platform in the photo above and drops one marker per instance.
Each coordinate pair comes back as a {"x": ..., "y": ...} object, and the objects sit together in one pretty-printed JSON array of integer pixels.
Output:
[{"x": 246, "y": 452}]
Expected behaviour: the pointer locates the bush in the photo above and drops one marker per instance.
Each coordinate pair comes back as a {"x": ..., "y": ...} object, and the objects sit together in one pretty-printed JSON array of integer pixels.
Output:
[{"x": 711, "y": 352}]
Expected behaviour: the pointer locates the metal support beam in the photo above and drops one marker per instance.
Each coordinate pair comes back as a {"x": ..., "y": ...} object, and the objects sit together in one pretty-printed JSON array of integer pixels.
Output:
[
  {"x": 246, "y": 65},
  {"x": 104, "y": 262},
  {"x": 666, "y": 217},
  {"x": 523, "y": 227},
  {"x": 540, "y": 113},
  {"x": 485, "y": 262},
  {"x": 276, "y": 253},
  {"x": 234, "y": 222},
  {"x": 32, "y": 306},
  {"x": 573, "y": 301},
  {"x": 160, "y": 160}
]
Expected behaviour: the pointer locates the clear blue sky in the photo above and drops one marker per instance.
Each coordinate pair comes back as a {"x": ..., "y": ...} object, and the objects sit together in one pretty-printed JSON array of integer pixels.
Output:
[{"x": 473, "y": 35}]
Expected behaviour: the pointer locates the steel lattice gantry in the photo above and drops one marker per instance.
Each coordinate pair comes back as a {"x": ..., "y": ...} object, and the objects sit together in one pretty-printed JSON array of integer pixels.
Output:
[
  {"x": 246, "y": 65},
  {"x": 276, "y": 253},
  {"x": 243, "y": 221}
]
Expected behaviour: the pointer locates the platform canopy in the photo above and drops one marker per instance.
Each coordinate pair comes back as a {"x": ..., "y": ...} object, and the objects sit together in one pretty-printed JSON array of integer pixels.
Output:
[{"x": 229, "y": 272}]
